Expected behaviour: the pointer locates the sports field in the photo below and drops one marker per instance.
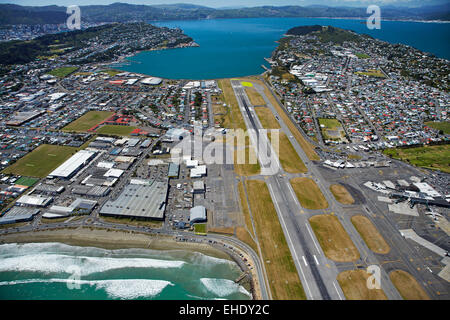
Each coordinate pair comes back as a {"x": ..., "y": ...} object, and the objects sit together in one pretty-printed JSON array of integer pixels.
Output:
[
  {"x": 341, "y": 194},
  {"x": 331, "y": 129},
  {"x": 41, "y": 161},
  {"x": 87, "y": 121},
  {"x": 333, "y": 238},
  {"x": 372, "y": 73},
  {"x": 283, "y": 277},
  {"x": 407, "y": 286},
  {"x": 116, "y": 130},
  {"x": 430, "y": 157},
  {"x": 354, "y": 285},
  {"x": 63, "y": 72},
  {"x": 309, "y": 194},
  {"x": 26, "y": 181},
  {"x": 370, "y": 234},
  {"x": 443, "y": 125}
]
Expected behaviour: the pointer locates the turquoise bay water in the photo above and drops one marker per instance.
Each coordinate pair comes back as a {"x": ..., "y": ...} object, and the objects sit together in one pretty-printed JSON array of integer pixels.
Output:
[
  {"x": 237, "y": 47},
  {"x": 58, "y": 271}
]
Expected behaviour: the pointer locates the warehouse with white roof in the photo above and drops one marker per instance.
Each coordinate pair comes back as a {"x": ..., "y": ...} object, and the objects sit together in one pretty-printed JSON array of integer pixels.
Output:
[{"x": 73, "y": 164}]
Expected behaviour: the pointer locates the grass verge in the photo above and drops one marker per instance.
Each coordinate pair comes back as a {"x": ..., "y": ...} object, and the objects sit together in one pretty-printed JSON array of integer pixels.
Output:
[
  {"x": 333, "y": 238},
  {"x": 134, "y": 222},
  {"x": 289, "y": 158},
  {"x": 430, "y": 157},
  {"x": 341, "y": 194},
  {"x": 370, "y": 234},
  {"x": 309, "y": 194},
  {"x": 254, "y": 96},
  {"x": 354, "y": 285},
  {"x": 407, "y": 286},
  {"x": 281, "y": 271},
  {"x": 306, "y": 146},
  {"x": 267, "y": 118}
]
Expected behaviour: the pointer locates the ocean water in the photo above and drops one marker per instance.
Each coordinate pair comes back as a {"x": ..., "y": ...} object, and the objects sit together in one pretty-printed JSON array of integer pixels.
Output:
[
  {"x": 58, "y": 271},
  {"x": 237, "y": 47}
]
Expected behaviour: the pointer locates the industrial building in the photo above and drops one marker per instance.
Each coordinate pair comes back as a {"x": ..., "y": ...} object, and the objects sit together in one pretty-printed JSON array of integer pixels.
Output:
[
  {"x": 73, "y": 164},
  {"x": 20, "y": 118},
  {"x": 174, "y": 170},
  {"x": 49, "y": 189},
  {"x": 176, "y": 134},
  {"x": 198, "y": 171},
  {"x": 18, "y": 214},
  {"x": 142, "y": 201},
  {"x": 80, "y": 206},
  {"x": 197, "y": 214},
  {"x": 199, "y": 186},
  {"x": 34, "y": 201}
]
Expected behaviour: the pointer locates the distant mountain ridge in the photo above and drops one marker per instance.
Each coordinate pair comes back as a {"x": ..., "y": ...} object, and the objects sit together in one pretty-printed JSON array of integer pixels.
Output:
[{"x": 124, "y": 12}]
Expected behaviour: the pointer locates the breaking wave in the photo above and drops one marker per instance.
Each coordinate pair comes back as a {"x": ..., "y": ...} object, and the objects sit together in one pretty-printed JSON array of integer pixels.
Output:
[
  {"x": 57, "y": 263},
  {"x": 223, "y": 287},
  {"x": 116, "y": 288}
]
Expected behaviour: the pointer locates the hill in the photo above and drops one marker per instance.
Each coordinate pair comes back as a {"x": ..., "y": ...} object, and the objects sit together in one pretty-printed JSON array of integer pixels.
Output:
[{"x": 123, "y": 12}]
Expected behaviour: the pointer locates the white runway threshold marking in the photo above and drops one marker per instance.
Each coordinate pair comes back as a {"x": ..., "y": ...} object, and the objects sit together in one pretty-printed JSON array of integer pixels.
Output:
[{"x": 289, "y": 238}]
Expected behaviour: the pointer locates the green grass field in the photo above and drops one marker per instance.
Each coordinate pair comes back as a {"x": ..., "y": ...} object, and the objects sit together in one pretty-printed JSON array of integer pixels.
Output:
[
  {"x": 87, "y": 121},
  {"x": 430, "y": 157},
  {"x": 289, "y": 158},
  {"x": 372, "y": 73},
  {"x": 362, "y": 55},
  {"x": 26, "y": 181},
  {"x": 200, "y": 228},
  {"x": 110, "y": 72},
  {"x": 443, "y": 125},
  {"x": 63, "y": 72},
  {"x": 332, "y": 124},
  {"x": 308, "y": 193},
  {"x": 116, "y": 130},
  {"x": 41, "y": 161}
]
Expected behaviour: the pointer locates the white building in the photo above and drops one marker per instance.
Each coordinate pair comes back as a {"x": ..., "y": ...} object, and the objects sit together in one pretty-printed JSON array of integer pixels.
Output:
[{"x": 73, "y": 164}]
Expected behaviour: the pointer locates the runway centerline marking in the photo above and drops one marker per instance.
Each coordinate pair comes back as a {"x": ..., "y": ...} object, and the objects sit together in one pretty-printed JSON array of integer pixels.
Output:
[
  {"x": 315, "y": 258},
  {"x": 312, "y": 237},
  {"x": 304, "y": 260}
]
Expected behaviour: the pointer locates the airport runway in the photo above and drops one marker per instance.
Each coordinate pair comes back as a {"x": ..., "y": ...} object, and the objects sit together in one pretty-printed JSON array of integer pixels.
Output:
[{"x": 316, "y": 272}]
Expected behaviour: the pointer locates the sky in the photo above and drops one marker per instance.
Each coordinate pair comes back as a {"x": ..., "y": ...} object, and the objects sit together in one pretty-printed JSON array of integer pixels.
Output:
[{"x": 237, "y": 3}]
